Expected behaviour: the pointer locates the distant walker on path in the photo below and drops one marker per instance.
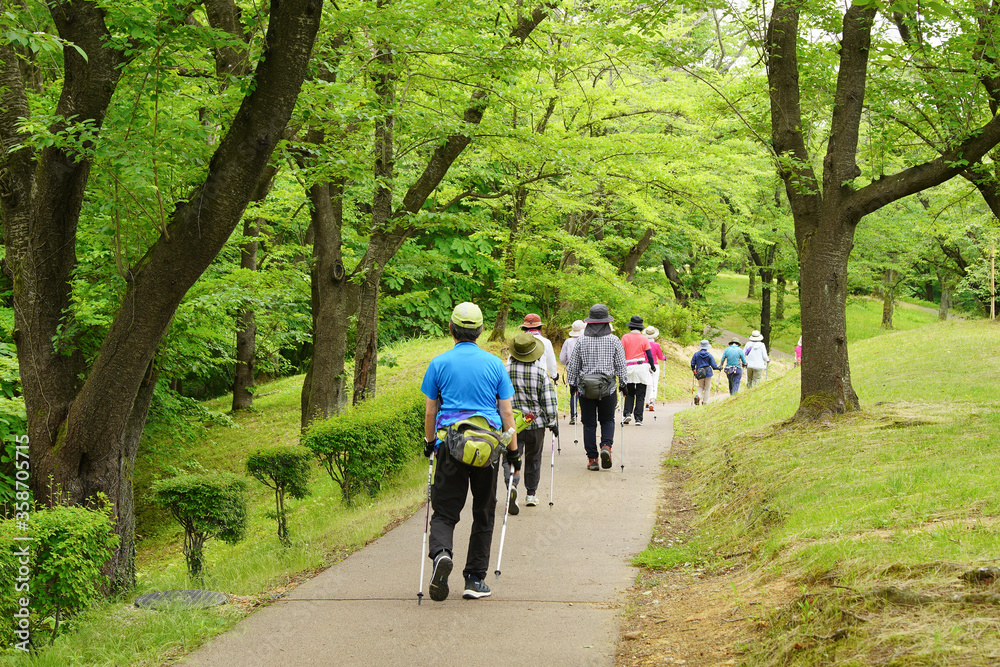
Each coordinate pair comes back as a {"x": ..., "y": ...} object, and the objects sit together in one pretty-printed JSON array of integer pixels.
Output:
[
  {"x": 757, "y": 359},
  {"x": 733, "y": 361},
  {"x": 702, "y": 365}
]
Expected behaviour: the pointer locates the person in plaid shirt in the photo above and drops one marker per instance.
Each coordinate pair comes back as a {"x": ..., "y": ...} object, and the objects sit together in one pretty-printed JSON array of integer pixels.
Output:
[
  {"x": 534, "y": 393},
  {"x": 598, "y": 351}
]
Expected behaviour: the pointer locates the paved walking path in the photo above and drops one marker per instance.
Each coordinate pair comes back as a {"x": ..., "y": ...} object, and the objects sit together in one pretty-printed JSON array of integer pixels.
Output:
[{"x": 564, "y": 571}]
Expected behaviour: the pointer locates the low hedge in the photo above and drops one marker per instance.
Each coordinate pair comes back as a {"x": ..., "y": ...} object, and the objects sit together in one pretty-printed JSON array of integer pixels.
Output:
[
  {"x": 366, "y": 445},
  {"x": 68, "y": 547}
]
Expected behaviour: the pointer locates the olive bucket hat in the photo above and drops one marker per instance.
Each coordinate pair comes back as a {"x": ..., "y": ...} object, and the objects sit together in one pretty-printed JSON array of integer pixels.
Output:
[{"x": 526, "y": 347}]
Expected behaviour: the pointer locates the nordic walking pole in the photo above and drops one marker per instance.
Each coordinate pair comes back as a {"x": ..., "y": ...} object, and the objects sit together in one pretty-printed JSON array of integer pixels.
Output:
[
  {"x": 552, "y": 469},
  {"x": 427, "y": 520},
  {"x": 623, "y": 438},
  {"x": 579, "y": 415},
  {"x": 506, "y": 511}
]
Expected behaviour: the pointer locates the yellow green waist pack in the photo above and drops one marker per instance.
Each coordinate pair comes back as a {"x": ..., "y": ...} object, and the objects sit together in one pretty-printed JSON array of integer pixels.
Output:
[{"x": 473, "y": 442}]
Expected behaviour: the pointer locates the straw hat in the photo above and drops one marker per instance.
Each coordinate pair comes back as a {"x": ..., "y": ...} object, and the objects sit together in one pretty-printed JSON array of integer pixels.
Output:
[{"x": 651, "y": 332}]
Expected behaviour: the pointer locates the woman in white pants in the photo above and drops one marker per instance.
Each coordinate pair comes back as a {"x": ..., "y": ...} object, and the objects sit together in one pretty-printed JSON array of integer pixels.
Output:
[{"x": 652, "y": 333}]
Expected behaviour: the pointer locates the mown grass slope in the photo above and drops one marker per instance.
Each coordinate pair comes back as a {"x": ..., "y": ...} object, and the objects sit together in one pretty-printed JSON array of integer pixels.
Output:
[{"x": 897, "y": 497}]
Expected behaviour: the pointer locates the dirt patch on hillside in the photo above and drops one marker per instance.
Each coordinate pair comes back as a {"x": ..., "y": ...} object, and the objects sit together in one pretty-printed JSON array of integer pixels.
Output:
[{"x": 689, "y": 615}]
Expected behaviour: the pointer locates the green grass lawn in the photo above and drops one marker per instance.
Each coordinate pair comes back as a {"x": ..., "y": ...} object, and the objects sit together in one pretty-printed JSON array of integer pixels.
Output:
[{"x": 898, "y": 494}]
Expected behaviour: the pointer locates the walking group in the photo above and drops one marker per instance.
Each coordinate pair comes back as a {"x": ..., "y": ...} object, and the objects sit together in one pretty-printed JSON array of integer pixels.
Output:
[
  {"x": 735, "y": 359},
  {"x": 481, "y": 414}
]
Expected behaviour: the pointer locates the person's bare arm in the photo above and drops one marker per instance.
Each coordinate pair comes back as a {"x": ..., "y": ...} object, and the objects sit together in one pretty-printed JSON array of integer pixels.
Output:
[{"x": 430, "y": 416}]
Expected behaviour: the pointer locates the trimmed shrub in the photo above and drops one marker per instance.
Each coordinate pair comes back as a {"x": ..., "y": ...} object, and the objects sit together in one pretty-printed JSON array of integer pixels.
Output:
[
  {"x": 364, "y": 446},
  {"x": 287, "y": 471},
  {"x": 68, "y": 548},
  {"x": 206, "y": 505}
]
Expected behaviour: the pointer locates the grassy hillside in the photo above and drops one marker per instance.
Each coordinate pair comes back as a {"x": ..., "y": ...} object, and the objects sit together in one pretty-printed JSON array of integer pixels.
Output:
[
  {"x": 898, "y": 495},
  {"x": 864, "y": 314}
]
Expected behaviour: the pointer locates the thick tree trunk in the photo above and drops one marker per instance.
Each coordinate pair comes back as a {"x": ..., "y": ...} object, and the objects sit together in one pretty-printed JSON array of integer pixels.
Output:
[
  {"x": 826, "y": 375},
  {"x": 83, "y": 442},
  {"x": 121, "y": 567},
  {"x": 334, "y": 300},
  {"x": 635, "y": 253}
]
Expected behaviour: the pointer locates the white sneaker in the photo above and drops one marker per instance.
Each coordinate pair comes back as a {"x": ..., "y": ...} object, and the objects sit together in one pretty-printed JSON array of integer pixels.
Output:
[
  {"x": 627, "y": 420},
  {"x": 531, "y": 501}
]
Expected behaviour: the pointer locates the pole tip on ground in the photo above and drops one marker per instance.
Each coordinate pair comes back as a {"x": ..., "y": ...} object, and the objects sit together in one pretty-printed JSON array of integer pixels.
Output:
[{"x": 420, "y": 598}]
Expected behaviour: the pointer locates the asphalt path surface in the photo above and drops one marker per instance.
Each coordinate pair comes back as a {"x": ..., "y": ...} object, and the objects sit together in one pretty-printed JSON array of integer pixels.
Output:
[{"x": 557, "y": 601}]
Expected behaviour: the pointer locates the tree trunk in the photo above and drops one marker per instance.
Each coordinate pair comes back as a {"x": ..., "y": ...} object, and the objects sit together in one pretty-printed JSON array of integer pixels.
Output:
[
  {"x": 83, "y": 436},
  {"x": 670, "y": 271},
  {"x": 635, "y": 253},
  {"x": 499, "y": 332},
  {"x": 888, "y": 298},
  {"x": 751, "y": 283},
  {"x": 945, "y": 303},
  {"x": 779, "y": 306},
  {"x": 826, "y": 375},
  {"x": 366, "y": 350},
  {"x": 765, "y": 311},
  {"x": 246, "y": 327},
  {"x": 334, "y": 300},
  {"x": 244, "y": 377}
]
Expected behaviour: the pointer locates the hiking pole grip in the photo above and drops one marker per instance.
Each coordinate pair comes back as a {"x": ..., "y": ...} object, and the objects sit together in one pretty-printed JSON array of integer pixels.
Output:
[{"x": 427, "y": 520}]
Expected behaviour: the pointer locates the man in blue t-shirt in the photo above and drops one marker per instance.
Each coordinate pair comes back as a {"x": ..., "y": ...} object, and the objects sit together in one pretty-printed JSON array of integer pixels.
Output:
[{"x": 468, "y": 382}]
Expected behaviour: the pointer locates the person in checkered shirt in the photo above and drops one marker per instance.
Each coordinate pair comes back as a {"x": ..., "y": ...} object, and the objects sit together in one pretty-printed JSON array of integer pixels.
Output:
[
  {"x": 598, "y": 351},
  {"x": 533, "y": 393}
]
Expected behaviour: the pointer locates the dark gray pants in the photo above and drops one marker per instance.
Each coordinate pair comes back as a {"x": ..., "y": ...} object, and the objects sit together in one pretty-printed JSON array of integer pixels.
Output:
[
  {"x": 593, "y": 411},
  {"x": 531, "y": 442}
]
